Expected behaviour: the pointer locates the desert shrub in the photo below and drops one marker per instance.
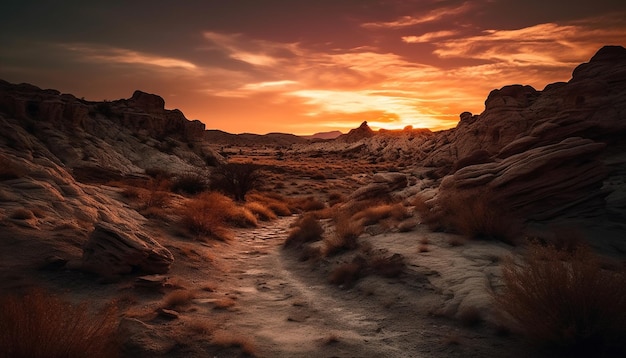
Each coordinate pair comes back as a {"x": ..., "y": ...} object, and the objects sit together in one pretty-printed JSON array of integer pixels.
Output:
[
  {"x": 309, "y": 203},
  {"x": 335, "y": 198},
  {"x": 177, "y": 298},
  {"x": 38, "y": 324},
  {"x": 207, "y": 214},
  {"x": 387, "y": 266},
  {"x": 565, "y": 301},
  {"x": 348, "y": 273},
  {"x": 10, "y": 170},
  {"x": 372, "y": 215},
  {"x": 156, "y": 199},
  {"x": 190, "y": 183},
  {"x": 274, "y": 202},
  {"x": 236, "y": 179},
  {"x": 475, "y": 214},
  {"x": 241, "y": 217},
  {"x": 347, "y": 231},
  {"x": 228, "y": 339},
  {"x": 261, "y": 211},
  {"x": 306, "y": 229}
]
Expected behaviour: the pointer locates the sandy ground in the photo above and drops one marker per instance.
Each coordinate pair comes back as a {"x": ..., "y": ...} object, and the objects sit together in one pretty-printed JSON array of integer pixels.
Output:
[
  {"x": 250, "y": 296},
  {"x": 264, "y": 298}
]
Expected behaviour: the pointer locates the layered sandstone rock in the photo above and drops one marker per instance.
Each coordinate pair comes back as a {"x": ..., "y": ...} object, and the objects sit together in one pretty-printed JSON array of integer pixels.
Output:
[
  {"x": 115, "y": 249},
  {"x": 126, "y": 136}
]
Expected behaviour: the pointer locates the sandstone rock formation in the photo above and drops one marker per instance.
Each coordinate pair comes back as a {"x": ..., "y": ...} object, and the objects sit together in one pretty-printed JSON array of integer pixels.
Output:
[
  {"x": 125, "y": 136},
  {"x": 547, "y": 153},
  {"x": 118, "y": 249},
  {"x": 53, "y": 146}
]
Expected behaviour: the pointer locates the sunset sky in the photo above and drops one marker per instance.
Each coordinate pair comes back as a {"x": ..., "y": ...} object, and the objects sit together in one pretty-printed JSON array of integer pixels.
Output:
[{"x": 301, "y": 66}]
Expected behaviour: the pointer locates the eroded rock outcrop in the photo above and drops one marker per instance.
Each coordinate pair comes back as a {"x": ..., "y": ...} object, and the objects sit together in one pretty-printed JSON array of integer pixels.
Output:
[
  {"x": 557, "y": 180},
  {"x": 115, "y": 249},
  {"x": 126, "y": 135}
]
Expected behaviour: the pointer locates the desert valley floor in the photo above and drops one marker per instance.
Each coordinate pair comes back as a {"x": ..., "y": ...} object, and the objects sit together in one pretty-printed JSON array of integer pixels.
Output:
[{"x": 128, "y": 230}]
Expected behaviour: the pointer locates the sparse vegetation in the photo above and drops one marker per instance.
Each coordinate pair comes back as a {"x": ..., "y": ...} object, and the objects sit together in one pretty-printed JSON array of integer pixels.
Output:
[
  {"x": 228, "y": 339},
  {"x": 38, "y": 324},
  {"x": 474, "y": 214},
  {"x": 190, "y": 183},
  {"x": 236, "y": 179},
  {"x": 306, "y": 229},
  {"x": 348, "y": 273},
  {"x": 177, "y": 298},
  {"x": 374, "y": 214},
  {"x": 274, "y": 202},
  {"x": 261, "y": 211},
  {"x": 207, "y": 214},
  {"x": 566, "y": 301},
  {"x": 347, "y": 231}
]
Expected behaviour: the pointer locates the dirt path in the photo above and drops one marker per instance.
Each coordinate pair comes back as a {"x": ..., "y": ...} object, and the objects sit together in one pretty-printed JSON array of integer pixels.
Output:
[{"x": 289, "y": 310}]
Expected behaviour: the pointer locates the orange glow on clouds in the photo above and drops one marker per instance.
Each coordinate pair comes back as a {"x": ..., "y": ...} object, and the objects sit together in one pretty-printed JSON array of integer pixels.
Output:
[{"x": 421, "y": 68}]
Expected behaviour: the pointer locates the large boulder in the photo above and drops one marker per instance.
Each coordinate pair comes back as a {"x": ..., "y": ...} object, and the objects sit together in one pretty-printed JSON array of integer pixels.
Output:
[
  {"x": 563, "y": 179},
  {"x": 115, "y": 249}
]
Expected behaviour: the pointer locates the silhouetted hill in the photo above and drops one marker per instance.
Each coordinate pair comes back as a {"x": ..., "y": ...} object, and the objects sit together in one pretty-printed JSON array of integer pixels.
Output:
[{"x": 219, "y": 137}]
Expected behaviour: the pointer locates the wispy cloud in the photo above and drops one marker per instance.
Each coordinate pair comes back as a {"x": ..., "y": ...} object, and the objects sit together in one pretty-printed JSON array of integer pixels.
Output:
[
  {"x": 430, "y": 16},
  {"x": 252, "y": 51},
  {"x": 547, "y": 44},
  {"x": 107, "y": 54},
  {"x": 430, "y": 36}
]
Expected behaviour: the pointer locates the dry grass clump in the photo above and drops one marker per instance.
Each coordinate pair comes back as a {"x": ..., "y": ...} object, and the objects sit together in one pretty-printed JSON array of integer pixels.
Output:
[
  {"x": 349, "y": 273},
  {"x": 274, "y": 202},
  {"x": 190, "y": 183},
  {"x": 39, "y": 324},
  {"x": 207, "y": 214},
  {"x": 241, "y": 217},
  {"x": 335, "y": 198},
  {"x": 566, "y": 301},
  {"x": 372, "y": 215},
  {"x": 474, "y": 214},
  {"x": 309, "y": 203},
  {"x": 177, "y": 298},
  {"x": 228, "y": 339},
  {"x": 306, "y": 229},
  {"x": 387, "y": 266},
  {"x": 347, "y": 231},
  {"x": 261, "y": 211},
  {"x": 224, "y": 303}
]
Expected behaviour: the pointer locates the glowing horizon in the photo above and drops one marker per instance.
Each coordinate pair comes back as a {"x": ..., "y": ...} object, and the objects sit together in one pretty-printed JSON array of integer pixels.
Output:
[{"x": 313, "y": 67}]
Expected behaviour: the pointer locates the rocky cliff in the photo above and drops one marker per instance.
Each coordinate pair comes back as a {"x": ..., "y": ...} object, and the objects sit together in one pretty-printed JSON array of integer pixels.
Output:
[
  {"x": 126, "y": 136},
  {"x": 551, "y": 153},
  {"x": 53, "y": 146},
  {"x": 546, "y": 153}
]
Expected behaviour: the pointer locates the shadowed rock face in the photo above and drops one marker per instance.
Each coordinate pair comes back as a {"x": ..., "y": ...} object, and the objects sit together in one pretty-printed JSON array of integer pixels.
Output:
[
  {"x": 553, "y": 152},
  {"x": 117, "y": 249},
  {"x": 126, "y": 136}
]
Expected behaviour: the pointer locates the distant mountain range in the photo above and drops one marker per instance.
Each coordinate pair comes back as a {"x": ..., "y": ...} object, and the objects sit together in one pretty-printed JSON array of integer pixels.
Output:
[{"x": 224, "y": 138}]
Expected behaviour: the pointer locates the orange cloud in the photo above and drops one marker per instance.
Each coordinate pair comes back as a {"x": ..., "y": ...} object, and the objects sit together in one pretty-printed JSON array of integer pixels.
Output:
[
  {"x": 427, "y": 37},
  {"x": 547, "y": 44},
  {"x": 121, "y": 55},
  {"x": 431, "y": 16}
]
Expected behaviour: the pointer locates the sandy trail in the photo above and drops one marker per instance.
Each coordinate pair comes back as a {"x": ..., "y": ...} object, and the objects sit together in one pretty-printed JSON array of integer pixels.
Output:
[{"x": 289, "y": 310}]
